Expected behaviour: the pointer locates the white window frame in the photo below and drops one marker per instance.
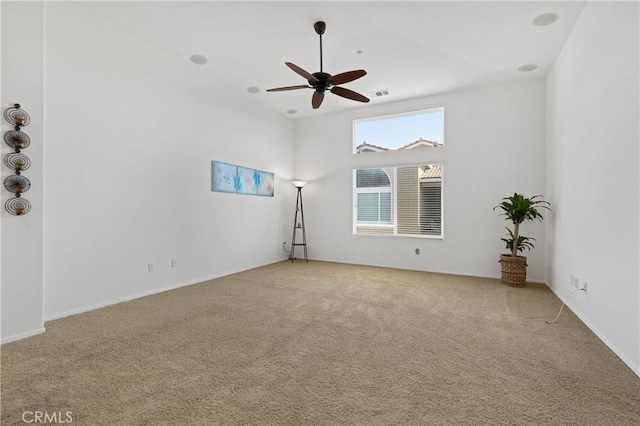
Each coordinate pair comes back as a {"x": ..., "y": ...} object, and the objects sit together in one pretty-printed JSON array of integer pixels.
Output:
[
  {"x": 385, "y": 117},
  {"x": 393, "y": 189}
]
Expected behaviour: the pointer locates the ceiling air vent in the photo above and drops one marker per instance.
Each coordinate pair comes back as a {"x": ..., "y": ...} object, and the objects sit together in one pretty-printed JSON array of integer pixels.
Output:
[{"x": 378, "y": 93}]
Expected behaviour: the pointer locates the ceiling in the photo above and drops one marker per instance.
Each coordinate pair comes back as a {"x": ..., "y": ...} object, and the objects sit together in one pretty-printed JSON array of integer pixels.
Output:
[{"x": 413, "y": 49}]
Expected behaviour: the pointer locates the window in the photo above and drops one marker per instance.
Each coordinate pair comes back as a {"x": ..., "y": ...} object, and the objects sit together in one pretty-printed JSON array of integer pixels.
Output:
[
  {"x": 421, "y": 129},
  {"x": 373, "y": 193},
  {"x": 398, "y": 201}
]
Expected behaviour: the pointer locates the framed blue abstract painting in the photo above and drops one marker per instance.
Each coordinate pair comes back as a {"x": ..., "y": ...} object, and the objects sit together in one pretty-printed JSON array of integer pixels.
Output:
[
  {"x": 226, "y": 177},
  {"x": 265, "y": 187},
  {"x": 223, "y": 176}
]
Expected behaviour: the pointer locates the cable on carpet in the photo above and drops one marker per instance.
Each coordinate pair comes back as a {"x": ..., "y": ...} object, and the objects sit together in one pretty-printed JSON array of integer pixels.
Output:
[{"x": 560, "y": 311}]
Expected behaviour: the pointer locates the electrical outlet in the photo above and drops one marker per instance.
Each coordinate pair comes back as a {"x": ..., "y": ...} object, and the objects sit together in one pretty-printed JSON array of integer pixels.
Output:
[
  {"x": 574, "y": 281},
  {"x": 151, "y": 267},
  {"x": 417, "y": 251},
  {"x": 174, "y": 263}
]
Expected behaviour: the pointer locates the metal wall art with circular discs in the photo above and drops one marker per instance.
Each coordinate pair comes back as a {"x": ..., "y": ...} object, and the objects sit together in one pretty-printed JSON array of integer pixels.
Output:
[
  {"x": 16, "y": 117},
  {"x": 17, "y": 206},
  {"x": 17, "y": 140},
  {"x": 17, "y": 162},
  {"x": 17, "y": 184}
]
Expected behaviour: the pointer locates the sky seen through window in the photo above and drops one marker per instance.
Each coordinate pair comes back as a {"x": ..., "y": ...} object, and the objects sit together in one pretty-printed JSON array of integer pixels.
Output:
[{"x": 396, "y": 131}]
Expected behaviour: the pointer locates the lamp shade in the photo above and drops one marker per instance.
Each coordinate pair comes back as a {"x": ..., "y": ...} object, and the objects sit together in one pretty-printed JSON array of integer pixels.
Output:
[{"x": 299, "y": 183}]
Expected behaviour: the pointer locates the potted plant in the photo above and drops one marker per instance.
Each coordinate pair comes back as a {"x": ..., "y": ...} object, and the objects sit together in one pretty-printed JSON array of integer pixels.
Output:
[{"x": 517, "y": 209}]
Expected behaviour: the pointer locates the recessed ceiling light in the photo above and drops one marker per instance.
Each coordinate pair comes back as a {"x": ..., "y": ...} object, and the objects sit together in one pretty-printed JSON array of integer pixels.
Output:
[
  {"x": 253, "y": 89},
  {"x": 198, "y": 59},
  {"x": 528, "y": 67},
  {"x": 545, "y": 19},
  {"x": 292, "y": 111}
]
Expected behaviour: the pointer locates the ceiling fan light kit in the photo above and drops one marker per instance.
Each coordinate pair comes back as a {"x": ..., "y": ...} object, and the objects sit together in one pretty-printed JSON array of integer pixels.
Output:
[{"x": 322, "y": 81}]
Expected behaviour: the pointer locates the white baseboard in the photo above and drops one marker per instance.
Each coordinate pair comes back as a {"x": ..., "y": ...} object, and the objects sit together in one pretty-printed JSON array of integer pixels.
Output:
[
  {"x": 22, "y": 335},
  {"x": 434, "y": 271},
  {"x": 630, "y": 363},
  {"x": 150, "y": 293}
]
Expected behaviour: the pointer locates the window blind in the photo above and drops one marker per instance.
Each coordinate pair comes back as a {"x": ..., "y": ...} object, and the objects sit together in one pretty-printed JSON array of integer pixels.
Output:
[{"x": 399, "y": 200}]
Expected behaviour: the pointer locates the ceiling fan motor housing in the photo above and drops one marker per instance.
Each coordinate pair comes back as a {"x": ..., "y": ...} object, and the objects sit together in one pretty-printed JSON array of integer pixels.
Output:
[{"x": 322, "y": 84}]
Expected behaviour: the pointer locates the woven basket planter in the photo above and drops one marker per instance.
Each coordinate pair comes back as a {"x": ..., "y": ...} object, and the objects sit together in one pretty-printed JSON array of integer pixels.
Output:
[{"x": 514, "y": 270}]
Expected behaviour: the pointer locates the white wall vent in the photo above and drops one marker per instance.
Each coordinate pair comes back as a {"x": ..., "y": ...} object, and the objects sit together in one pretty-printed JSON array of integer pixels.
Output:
[{"x": 378, "y": 93}]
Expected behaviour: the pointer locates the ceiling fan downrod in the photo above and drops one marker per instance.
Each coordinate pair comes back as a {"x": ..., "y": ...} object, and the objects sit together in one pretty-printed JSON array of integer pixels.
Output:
[{"x": 320, "y": 28}]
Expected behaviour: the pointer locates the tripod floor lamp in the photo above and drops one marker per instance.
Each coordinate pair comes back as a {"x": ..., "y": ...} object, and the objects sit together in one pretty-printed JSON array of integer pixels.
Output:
[{"x": 298, "y": 226}]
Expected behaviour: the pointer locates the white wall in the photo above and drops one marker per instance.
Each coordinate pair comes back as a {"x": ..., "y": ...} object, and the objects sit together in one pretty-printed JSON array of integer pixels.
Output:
[
  {"x": 131, "y": 132},
  {"x": 494, "y": 146},
  {"x": 593, "y": 179},
  {"x": 129, "y": 142},
  {"x": 22, "y": 70}
]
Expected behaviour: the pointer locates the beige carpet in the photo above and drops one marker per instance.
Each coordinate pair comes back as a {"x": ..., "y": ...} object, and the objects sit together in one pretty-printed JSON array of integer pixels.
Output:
[{"x": 324, "y": 344}]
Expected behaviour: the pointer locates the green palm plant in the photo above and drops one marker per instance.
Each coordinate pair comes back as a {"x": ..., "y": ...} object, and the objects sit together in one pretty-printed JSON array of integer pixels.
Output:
[
  {"x": 523, "y": 242},
  {"x": 517, "y": 209}
]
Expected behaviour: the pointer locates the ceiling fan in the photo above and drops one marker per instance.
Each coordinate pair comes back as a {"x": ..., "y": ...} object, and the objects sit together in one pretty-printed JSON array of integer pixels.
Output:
[{"x": 321, "y": 81}]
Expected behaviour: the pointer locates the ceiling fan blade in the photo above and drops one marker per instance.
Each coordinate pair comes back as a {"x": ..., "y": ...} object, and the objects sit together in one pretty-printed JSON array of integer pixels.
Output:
[
  {"x": 349, "y": 94},
  {"x": 280, "y": 89},
  {"x": 346, "y": 77},
  {"x": 316, "y": 100},
  {"x": 300, "y": 71}
]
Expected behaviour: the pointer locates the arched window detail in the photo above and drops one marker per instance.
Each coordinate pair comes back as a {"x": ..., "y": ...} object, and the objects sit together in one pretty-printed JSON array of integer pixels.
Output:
[{"x": 372, "y": 178}]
